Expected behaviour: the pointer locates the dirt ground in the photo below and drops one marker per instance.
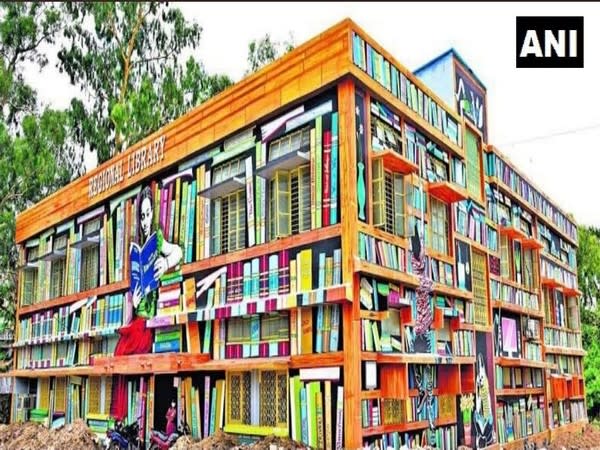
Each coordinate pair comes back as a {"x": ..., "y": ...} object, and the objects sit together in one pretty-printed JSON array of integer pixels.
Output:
[
  {"x": 76, "y": 436},
  {"x": 33, "y": 436},
  {"x": 224, "y": 441},
  {"x": 588, "y": 440}
]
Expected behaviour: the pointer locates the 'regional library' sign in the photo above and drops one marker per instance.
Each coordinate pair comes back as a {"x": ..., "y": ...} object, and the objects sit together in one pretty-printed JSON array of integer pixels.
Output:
[{"x": 134, "y": 163}]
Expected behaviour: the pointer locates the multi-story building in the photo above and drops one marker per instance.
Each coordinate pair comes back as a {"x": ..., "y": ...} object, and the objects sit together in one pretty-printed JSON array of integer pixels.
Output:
[{"x": 329, "y": 250}]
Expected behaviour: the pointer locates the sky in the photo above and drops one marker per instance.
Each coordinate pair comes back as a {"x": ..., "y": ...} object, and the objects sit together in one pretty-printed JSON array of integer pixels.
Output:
[{"x": 546, "y": 121}]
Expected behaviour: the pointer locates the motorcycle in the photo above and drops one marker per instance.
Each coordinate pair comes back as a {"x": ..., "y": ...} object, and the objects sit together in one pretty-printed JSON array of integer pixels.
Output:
[
  {"x": 123, "y": 437},
  {"x": 162, "y": 441}
]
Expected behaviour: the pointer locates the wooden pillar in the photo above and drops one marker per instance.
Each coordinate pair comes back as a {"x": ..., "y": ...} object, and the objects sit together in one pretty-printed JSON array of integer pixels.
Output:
[{"x": 349, "y": 220}]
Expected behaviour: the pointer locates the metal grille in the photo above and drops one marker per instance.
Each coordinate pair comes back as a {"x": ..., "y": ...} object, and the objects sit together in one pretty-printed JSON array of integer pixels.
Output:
[
  {"x": 282, "y": 399},
  {"x": 235, "y": 407},
  {"x": 479, "y": 289},
  {"x": 247, "y": 396},
  {"x": 268, "y": 398}
]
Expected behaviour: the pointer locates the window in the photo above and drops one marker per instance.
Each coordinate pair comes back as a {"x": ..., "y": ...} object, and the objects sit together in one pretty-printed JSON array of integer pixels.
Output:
[
  {"x": 529, "y": 270},
  {"x": 504, "y": 257},
  {"x": 473, "y": 155},
  {"x": 280, "y": 220},
  {"x": 257, "y": 399},
  {"x": 228, "y": 170},
  {"x": 296, "y": 141},
  {"x": 388, "y": 200},
  {"x": 30, "y": 277},
  {"x": 480, "y": 289},
  {"x": 439, "y": 226},
  {"x": 89, "y": 267},
  {"x": 57, "y": 277},
  {"x": 383, "y": 136},
  {"x": 289, "y": 202},
  {"x": 30, "y": 286},
  {"x": 228, "y": 230}
]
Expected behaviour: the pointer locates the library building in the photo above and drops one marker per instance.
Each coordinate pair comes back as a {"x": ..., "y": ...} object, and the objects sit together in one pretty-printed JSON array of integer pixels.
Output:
[{"x": 329, "y": 251}]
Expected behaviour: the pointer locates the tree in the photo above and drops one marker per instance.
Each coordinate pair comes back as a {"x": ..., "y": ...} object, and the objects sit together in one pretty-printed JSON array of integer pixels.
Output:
[
  {"x": 588, "y": 268},
  {"x": 24, "y": 28},
  {"x": 588, "y": 264},
  {"x": 35, "y": 156},
  {"x": 126, "y": 58},
  {"x": 264, "y": 51}
]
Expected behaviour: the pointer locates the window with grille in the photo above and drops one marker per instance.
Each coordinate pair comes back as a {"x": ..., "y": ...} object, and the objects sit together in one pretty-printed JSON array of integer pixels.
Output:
[
  {"x": 266, "y": 389},
  {"x": 228, "y": 230},
  {"x": 57, "y": 277},
  {"x": 228, "y": 170},
  {"x": 479, "y": 281},
  {"x": 439, "y": 226},
  {"x": 89, "y": 267},
  {"x": 30, "y": 286},
  {"x": 388, "y": 200},
  {"x": 296, "y": 141},
  {"x": 473, "y": 155},
  {"x": 30, "y": 278},
  {"x": 280, "y": 220},
  {"x": 289, "y": 202}
]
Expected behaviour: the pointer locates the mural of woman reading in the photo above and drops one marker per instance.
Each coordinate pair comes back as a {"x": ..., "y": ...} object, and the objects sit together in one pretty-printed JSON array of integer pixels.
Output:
[{"x": 149, "y": 259}]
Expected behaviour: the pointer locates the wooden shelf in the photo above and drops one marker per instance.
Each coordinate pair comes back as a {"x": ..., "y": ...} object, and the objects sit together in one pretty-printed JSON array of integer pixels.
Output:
[
  {"x": 565, "y": 351},
  {"x": 520, "y": 391},
  {"x": 519, "y": 362},
  {"x": 512, "y": 232},
  {"x": 371, "y": 395},
  {"x": 514, "y": 284},
  {"x": 52, "y": 372},
  {"x": 447, "y": 192},
  {"x": 571, "y": 292},
  {"x": 383, "y": 235},
  {"x": 394, "y": 161},
  {"x": 517, "y": 309},
  {"x": 415, "y": 358},
  {"x": 149, "y": 363},
  {"x": 327, "y": 359},
  {"x": 556, "y": 327},
  {"x": 296, "y": 240},
  {"x": 374, "y": 315},
  {"x": 383, "y": 272},
  {"x": 403, "y": 427},
  {"x": 550, "y": 283},
  {"x": 66, "y": 299},
  {"x": 531, "y": 244},
  {"x": 518, "y": 444}
]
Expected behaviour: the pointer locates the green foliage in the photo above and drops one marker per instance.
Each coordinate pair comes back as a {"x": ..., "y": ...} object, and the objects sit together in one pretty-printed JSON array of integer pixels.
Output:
[
  {"x": 35, "y": 156},
  {"x": 264, "y": 51},
  {"x": 588, "y": 267},
  {"x": 24, "y": 27},
  {"x": 127, "y": 60}
]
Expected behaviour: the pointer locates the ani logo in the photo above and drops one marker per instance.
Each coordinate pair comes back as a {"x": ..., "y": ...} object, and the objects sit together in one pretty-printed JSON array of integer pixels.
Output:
[{"x": 550, "y": 42}]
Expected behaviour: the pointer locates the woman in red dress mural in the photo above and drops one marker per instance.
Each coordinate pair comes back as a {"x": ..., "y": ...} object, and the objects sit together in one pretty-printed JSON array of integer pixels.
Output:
[{"x": 159, "y": 256}]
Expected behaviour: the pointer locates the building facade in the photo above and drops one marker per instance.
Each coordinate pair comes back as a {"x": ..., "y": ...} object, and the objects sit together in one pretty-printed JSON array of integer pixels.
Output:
[{"x": 328, "y": 250}]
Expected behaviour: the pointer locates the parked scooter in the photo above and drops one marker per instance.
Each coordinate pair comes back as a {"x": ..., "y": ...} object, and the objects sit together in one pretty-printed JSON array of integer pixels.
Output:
[
  {"x": 123, "y": 437},
  {"x": 162, "y": 441}
]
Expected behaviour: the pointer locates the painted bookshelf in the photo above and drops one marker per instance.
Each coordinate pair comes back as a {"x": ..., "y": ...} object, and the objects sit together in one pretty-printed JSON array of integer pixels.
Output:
[{"x": 327, "y": 251}]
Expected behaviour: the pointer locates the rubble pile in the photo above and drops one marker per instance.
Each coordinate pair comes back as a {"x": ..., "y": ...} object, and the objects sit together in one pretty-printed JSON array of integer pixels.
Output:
[
  {"x": 34, "y": 436},
  {"x": 588, "y": 440}
]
